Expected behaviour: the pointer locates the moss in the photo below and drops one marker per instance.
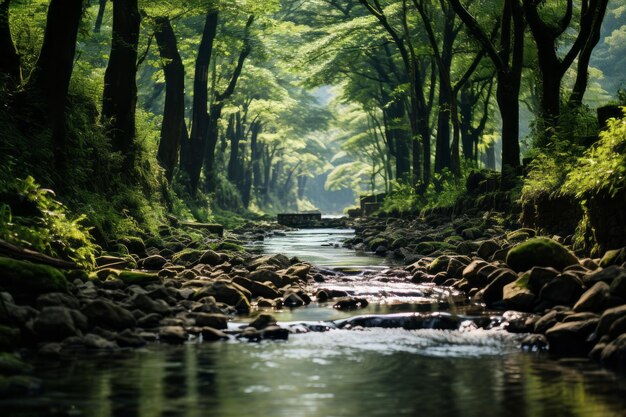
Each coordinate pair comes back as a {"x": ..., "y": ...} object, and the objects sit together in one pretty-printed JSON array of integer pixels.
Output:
[
  {"x": 138, "y": 278},
  {"x": 613, "y": 257},
  {"x": 376, "y": 242},
  {"x": 9, "y": 338},
  {"x": 229, "y": 246},
  {"x": 187, "y": 257},
  {"x": 440, "y": 264},
  {"x": 27, "y": 279},
  {"x": 11, "y": 365},
  {"x": 134, "y": 244},
  {"x": 103, "y": 274},
  {"x": 154, "y": 242},
  {"x": 540, "y": 252}
]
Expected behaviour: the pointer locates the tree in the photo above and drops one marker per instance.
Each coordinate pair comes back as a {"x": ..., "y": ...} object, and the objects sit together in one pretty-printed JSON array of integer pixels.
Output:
[
  {"x": 120, "y": 87},
  {"x": 552, "y": 67},
  {"x": 507, "y": 57},
  {"x": 53, "y": 70},
  {"x": 102, "y": 5},
  {"x": 10, "y": 62},
  {"x": 173, "y": 128}
]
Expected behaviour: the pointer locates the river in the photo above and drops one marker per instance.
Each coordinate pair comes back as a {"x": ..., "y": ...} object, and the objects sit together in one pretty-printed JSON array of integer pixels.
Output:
[{"x": 367, "y": 372}]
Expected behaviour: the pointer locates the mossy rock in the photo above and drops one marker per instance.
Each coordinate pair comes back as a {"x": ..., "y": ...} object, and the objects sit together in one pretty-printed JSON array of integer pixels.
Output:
[
  {"x": 138, "y": 278},
  {"x": 229, "y": 246},
  {"x": 9, "y": 338},
  {"x": 613, "y": 257},
  {"x": 134, "y": 244},
  {"x": 11, "y": 365},
  {"x": 26, "y": 279},
  {"x": 154, "y": 242},
  {"x": 104, "y": 273},
  {"x": 520, "y": 235},
  {"x": 453, "y": 239},
  {"x": 187, "y": 257},
  {"x": 376, "y": 242},
  {"x": 540, "y": 252}
]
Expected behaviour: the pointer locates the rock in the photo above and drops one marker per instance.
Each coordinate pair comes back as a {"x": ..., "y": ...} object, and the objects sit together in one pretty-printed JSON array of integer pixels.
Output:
[
  {"x": 608, "y": 318},
  {"x": 440, "y": 264},
  {"x": 471, "y": 233},
  {"x": 115, "y": 261},
  {"x": 618, "y": 286},
  {"x": 516, "y": 297},
  {"x": 471, "y": 270},
  {"x": 252, "y": 334},
  {"x": 9, "y": 338},
  {"x": 93, "y": 341},
  {"x": 455, "y": 268},
  {"x": 25, "y": 280},
  {"x": 173, "y": 334},
  {"x": 275, "y": 333},
  {"x": 608, "y": 275},
  {"x": 293, "y": 300},
  {"x": 187, "y": 257},
  {"x": 350, "y": 303},
  {"x": 263, "y": 321},
  {"x": 210, "y": 258},
  {"x": 595, "y": 299},
  {"x": 580, "y": 317},
  {"x": 493, "y": 291},
  {"x": 18, "y": 386},
  {"x": 134, "y": 244},
  {"x": 108, "y": 315},
  {"x": 57, "y": 299},
  {"x": 216, "y": 321},
  {"x": 153, "y": 263},
  {"x": 138, "y": 278},
  {"x": 212, "y": 335},
  {"x": 380, "y": 250},
  {"x": 539, "y": 276},
  {"x": 540, "y": 252},
  {"x": 618, "y": 327},
  {"x": 57, "y": 323},
  {"x": 546, "y": 322},
  {"x": 534, "y": 343},
  {"x": 257, "y": 289},
  {"x": 148, "y": 305},
  {"x": 565, "y": 290},
  {"x": 128, "y": 338},
  {"x": 613, "y": 257},
  {"x": 11, "y": 365},
  {"x": 149, "y": 321},
  {"x": 264, "y": 275},
  {"x": 487, "y": 249},
  {"x": 614, "y": 354},
  {"x": 571, "y": 338}
]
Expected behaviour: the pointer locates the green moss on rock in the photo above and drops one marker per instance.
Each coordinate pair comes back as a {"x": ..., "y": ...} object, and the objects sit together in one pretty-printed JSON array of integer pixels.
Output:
[
  {"x": 540, "y": 252},
  {"x": 229, "y": 247},
  {"x": 138, "y": 278},
  {"x": 187, "y": 257},
  {"x": 22, "y": 278}
]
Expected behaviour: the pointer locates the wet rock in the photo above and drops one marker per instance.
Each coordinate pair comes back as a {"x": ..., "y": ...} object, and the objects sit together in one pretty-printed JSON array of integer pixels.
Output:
[
  {"x": 173, "y": 334},
  {"x": 275, "y": 333},
  {"x": 565, "y": 289},
  {"x": 440, "y": 264},
  {"x": 93, "y": 341},
  {"x": 153, "y": 263},
  {"x": 580, "y": 317},
  {"x": 148, "y": 305},
  {"x": 210, "y": 334},
  {"x": 264, "y": 275},
  {"x": 608, "y": 318},
  {"x": 546, "y": 322},
  {"x": 130, "y": 339},
  {"x": 257, "y": 289},
  {"x": 50, "y": 349},
  {"x": 539, "y": 276},
  {"x": 187, "y": 257},
  {"x": 350, "y": 303},
  {"x": 613, "y": 257},
  {"x": 614, "y": 354},
  {"x": 263, "y": 321},
  {"x": 216, "y": 321},
  {"x": 540, "y": 252},
  {"x": 57, "y": 323},
  {"x": 618, "y": 327},
  {"x": 455, "y": 268},
  {"x": 618, "y": 286},
  {"x": 571, "y": 338},
  {"x": 607, "y": 275},
  {"x": 293, "y": 300},
  {"x": 487, "y": 249},
  {"x": 57, "y": 299},
  {"x": 516, "y": 297},
  {"x": 471, "y": 233},
  {"x": 149, "y": 321},
  {"x": 210, "y": 257},
  {"x": 493, "y": 292},
  {"x": 534, "y": 343},
  {"x": 471, "y": 270},
  {"x": 595, "y": 299},
  {"x": 251, "y": 334},
  {"x": 108, "y": 315}
]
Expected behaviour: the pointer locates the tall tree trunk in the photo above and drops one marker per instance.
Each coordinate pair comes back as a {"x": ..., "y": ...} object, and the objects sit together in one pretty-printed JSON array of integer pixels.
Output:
[
  {"x": 193, "y": 151},
  {"x": 102, "y": 5},
  {"x": 120, "y": 86},
  {"x": 173, "y": 128},
  {"x": 53, "y": 70},
  {"x": 398, "y": 138},
  {"x": 233, "y": 162},
  {"x": 10, "y": 62},
  {"x": 256, "y": 150}
]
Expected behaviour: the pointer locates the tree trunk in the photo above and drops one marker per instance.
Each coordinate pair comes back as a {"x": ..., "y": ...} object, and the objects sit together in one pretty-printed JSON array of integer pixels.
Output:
[
  {"x": 194, "y": 150},
  {"x": 507, "y": 94},
  {"x": 398, "y": 138},
  {"x": 211, "y": 143},
  {"x": 233, "y": 161},
  {"x": 255, "y": 154},
  {"x": 10, "y": 62},
  {"x": 120, "y": 86},
  {"x": 173, "y": 128},
  {"x": 102, "y": 5},
  {"x": 53, "y": 70}
]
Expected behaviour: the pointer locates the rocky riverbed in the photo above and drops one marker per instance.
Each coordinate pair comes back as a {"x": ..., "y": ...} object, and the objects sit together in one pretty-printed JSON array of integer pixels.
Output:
[{"x": 172, "y": 289}]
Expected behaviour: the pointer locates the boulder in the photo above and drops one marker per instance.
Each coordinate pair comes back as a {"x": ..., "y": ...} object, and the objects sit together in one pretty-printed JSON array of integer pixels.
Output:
[
  {"x": 105, "y": 314},
  {"x": 138, "y": 278},
  {"x": 613, "y": 257},
  {"x": 595, "y": 299},
  {"x": 149, "y": 305},
  {"x": 540, "y": 252},
  {"x": 257, "y": 289},
  {"x": 493, "y": 292},
  {"x": 210, "y": 334},
  {"x": 210, "y": 258},
  {"x": 539, "y": 276},
  {"x": 57, "y": 299},
  {"x": 565, "y": 289},
  {"x": 608, "y": 318},
  {"x": 153, "y": 263},
  {"x": 571, "y": 338},
  {"x": 263, "y": 275},
  {"x": 487, "y": 249},
  {"x": 187, "y": 257},
  {"x": 516, "y": 297},
  {"x": 26, "y": 280},
  {"x": 128, "y": 338},
  {"x": 216, "y": 321},
  {"x": 293, "y": 300},
  {"x": 262, "y": 321},
  {"x": 614, "y": 354},
  {"x": 608, "y": 275},
  {"x": 57, "y": 323},
  {"x": 173, "y": 334}
]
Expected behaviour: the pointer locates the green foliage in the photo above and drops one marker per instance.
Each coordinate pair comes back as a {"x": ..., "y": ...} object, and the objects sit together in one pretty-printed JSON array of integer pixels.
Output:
[
  {"x": 33, "y": 218},
  {"x": 602, "y": 168}
]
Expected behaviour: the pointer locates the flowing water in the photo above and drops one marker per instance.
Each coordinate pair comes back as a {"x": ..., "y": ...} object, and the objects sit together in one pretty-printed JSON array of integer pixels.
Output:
[{"x": 367, "y": 371}]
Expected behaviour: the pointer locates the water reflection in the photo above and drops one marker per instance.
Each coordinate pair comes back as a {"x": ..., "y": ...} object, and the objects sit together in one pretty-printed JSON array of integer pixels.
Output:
[{"x": 309, "y": 377}]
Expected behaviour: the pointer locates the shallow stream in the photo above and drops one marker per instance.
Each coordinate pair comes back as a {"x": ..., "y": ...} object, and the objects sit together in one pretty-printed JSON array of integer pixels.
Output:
[{"x": 367, "y": 372}]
